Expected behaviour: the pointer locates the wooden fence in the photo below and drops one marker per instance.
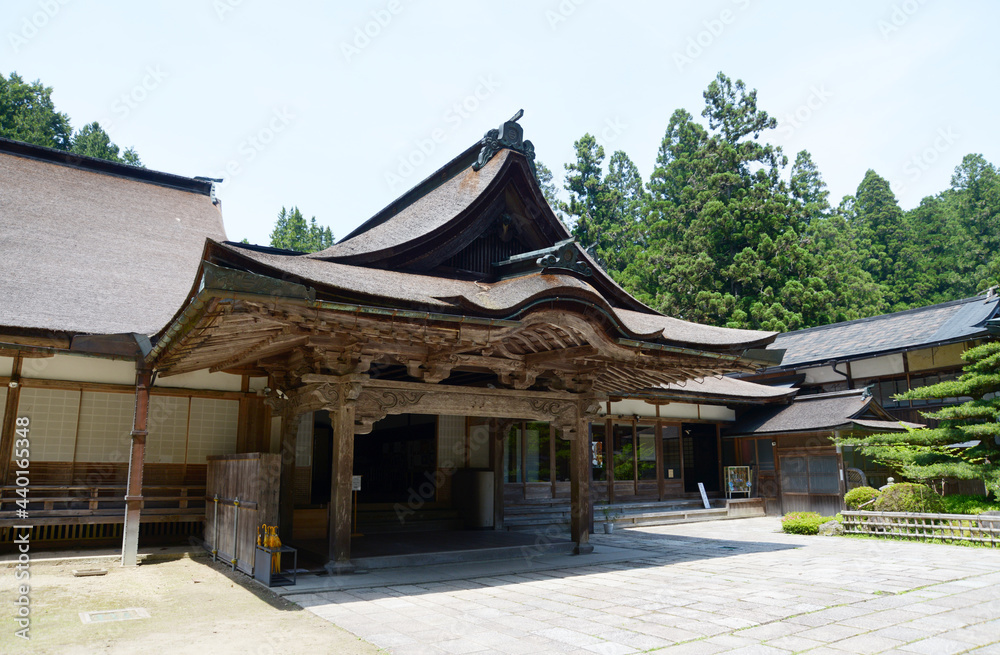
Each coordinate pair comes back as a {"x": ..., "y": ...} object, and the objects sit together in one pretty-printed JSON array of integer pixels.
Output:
[
  {"x": 952, "y": 528},
  {"x": 241, "y": 494}
]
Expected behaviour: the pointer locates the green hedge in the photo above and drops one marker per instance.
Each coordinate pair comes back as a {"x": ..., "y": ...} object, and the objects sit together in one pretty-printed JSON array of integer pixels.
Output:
[
  {"x": 803, "y": 522},
  {"x": 959, "y": 504},
  {"x": 909, "y": 497},
  {"x": 858, "y": 496}
]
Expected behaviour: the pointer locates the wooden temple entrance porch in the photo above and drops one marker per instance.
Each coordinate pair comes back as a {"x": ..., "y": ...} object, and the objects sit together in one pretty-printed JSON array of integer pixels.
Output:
[{"x": 356, "y": 402}]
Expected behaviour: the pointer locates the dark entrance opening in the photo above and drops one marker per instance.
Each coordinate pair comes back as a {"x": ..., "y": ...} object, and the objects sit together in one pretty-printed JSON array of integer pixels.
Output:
[
  {"x": 701, "y": 456},
  {"x": 398, "y": 458}
]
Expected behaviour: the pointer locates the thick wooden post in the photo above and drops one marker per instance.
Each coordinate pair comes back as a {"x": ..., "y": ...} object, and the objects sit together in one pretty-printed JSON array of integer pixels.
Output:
[
  {"x": 286, "y": 500},
  {"x": 499, "y": 428},
  {"x": 580, "y": 513},
  {"x": 339, "y": 511},
  {"x": 137, "y": 453}
]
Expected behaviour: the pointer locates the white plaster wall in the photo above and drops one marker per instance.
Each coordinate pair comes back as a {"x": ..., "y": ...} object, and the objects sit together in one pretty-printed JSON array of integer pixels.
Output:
[
  {"x": 6, "y": 366},
  {"x": 200, "y": 380},
  {"x": 678, "y": 410},
  {"x": 824, "y": 374},
  {"x": 631, "y": 407},
  {"x": 876, "y": 366},
  {"x": 717, "y": 413},
  {"x": 76, "y": 368},
  {"x": 258, "y": 384}
]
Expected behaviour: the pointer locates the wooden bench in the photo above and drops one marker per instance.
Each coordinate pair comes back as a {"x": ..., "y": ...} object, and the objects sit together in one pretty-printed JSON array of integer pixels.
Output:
[{"x": 57, "y": 504}]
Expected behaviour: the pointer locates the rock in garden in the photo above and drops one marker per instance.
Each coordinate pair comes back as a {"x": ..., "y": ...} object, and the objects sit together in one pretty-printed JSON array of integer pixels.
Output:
[{"x": 831, "y": 528}]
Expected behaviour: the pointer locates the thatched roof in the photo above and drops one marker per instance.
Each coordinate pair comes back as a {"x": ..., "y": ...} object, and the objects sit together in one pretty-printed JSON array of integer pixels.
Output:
[{"x": 95, "y": 247}]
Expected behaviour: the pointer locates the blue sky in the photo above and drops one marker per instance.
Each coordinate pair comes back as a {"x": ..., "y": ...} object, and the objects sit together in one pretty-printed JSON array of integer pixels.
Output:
[{"x": 340, "y": 107}]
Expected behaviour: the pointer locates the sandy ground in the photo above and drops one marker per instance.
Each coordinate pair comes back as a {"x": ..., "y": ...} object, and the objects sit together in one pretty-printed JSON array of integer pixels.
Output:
[{"x": 195, "y": 606}]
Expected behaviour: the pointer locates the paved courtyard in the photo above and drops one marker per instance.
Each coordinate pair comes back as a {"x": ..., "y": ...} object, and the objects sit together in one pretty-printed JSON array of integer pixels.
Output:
[{"x": 721, "y": 587}]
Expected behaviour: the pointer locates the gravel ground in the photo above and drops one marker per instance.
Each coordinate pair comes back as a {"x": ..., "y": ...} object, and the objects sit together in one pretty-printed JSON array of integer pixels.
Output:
[{"x": 195, "y": 606}]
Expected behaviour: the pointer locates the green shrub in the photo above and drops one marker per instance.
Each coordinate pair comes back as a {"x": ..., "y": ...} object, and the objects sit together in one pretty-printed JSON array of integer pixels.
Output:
[
  {"x": 909, "y": 497},
  {"x": 858, "y": 496},
  {"x": 802, "y": 522},
  {"x": 958, "y": 504}
]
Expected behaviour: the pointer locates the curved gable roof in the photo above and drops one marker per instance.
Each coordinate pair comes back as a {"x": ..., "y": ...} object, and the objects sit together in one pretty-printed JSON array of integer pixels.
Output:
[
  {"x": 510, "y": 298},
  {"x": 415, "y": 218}
]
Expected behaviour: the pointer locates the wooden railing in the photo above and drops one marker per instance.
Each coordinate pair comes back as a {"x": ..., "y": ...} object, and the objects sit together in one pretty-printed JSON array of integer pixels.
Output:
[
  {"x": 948, "y": 528},
  {"x": 55, "y": 504}
]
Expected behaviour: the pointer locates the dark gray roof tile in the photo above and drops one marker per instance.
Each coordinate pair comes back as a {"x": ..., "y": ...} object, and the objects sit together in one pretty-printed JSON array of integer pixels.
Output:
[{"x": 913, "y": 328}]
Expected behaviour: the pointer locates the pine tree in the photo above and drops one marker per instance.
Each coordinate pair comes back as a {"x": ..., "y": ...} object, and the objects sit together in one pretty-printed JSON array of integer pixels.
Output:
[{"x": 966, "y": 442}]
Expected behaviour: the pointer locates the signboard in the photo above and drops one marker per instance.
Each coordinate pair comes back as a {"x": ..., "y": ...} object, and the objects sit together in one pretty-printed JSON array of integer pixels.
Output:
[
  {"x": 704, "y": 496},
  {"x": 355, "y": 483}
]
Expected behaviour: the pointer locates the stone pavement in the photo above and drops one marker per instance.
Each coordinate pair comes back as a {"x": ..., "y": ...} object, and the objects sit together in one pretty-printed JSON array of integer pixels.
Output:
[{"x": 735, "y": 586}]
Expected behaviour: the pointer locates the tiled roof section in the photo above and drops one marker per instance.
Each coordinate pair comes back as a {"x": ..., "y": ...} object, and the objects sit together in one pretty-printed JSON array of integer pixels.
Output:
[
  {"x": 816, "y": 413},
  {"x": 92, "y": 249},
  {"x": 504, "y": 299},
  {"x": 925, "y": 326},
  {"x": 421, "y": 216}
]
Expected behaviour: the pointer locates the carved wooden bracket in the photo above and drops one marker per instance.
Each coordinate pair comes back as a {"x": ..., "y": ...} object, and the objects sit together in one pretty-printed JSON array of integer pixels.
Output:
[
  {"x": 430, "y": 372},
  {"x": 375, "y": 404}
]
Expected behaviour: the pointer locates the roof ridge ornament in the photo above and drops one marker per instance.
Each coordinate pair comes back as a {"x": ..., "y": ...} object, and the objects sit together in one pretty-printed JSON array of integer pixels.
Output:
[
  {"x": 510, "y": 135},
  {"x": 567, "y": 256},
  {"x": 563, "y": 254}
]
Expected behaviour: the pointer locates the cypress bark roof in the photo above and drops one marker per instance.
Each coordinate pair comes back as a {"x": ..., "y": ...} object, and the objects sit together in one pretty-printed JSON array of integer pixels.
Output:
[
  {"x": 95, "y": 247},
  {"x": 504, "y": 299},
  {"x": 413, "y": 215}
]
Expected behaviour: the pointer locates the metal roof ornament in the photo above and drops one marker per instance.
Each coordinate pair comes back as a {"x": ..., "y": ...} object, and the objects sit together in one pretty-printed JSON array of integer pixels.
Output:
[
  {"x": 566, "y": 256},
  {"x": 510, "y": 135}
]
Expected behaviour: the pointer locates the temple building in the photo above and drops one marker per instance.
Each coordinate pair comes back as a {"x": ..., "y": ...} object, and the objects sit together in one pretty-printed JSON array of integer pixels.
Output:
[{"x": 455, "y": 358}]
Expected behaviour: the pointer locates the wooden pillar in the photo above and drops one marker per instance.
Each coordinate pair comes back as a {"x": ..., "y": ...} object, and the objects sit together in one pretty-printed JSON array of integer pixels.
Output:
[
  {"x": 9, "y": 417},
  {"x": 286, "y": 500},
  {"x": 137, "y": 452},
  {"x": 499, "y": 429},
  {"x": 579, "y": 455},
  {"x": 339, "y": 510}
]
